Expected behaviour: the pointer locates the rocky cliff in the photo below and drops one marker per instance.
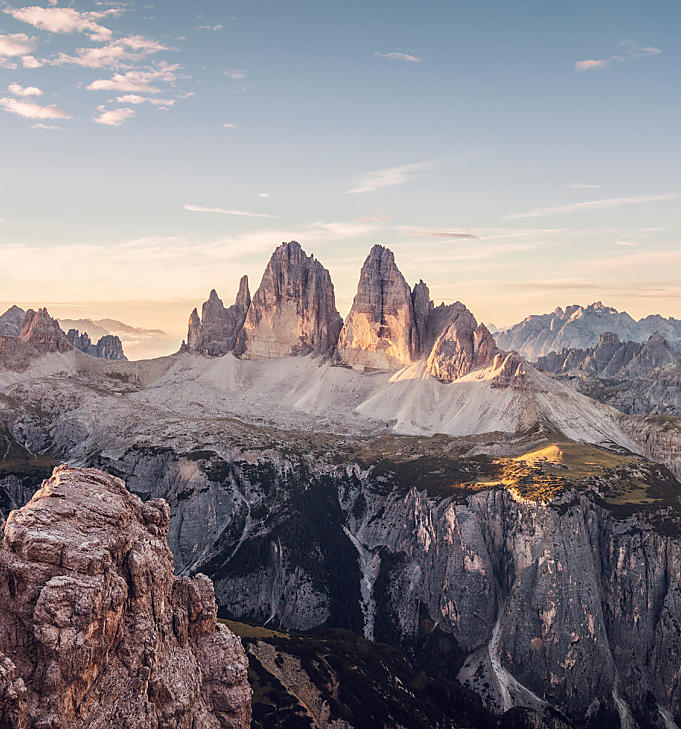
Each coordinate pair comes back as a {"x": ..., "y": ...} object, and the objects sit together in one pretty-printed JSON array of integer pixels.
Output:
[
  {"x": 390, "y": 326},
  {"x": 215, "y": 333},
  {"x": 108, "y": 347},
  {"x": 631, "y": 376},
  {"x": 556, "y": 587},
  {"x": 463, "y": 346},
  {"x": 579, "y": 327},
  {"x": 94, "y": 629},
  {"x": 380, "y": 330},
  {"x": 293, "y": 311},
  {"x": 10, "y": 322},
  {"x": 39, "y": 334}
]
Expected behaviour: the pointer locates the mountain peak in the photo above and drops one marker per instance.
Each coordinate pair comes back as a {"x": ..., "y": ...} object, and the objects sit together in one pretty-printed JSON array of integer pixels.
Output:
[{"x": 294, "y": 309}]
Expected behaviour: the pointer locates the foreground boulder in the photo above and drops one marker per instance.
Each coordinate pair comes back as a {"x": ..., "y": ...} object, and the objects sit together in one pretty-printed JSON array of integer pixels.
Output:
[{"x": 94, "y": 628}]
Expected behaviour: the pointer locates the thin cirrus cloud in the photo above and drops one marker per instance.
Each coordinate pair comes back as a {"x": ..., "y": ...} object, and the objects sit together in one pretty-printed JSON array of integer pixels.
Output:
[
  {"x": 113, "y": 117},
  {"x": 583, "y": 186},
  {"x": 19, "y": 90},
  {"x": 223, "y": 211},
  {"x": 120, "y": 52},
  {"x": 31, "y": 110},
  {"x": 614, "y": 202},
  {"x": 64, "y": 20},
  {"x": 398, "y": 56},
  {"x": 388, "y": 177},
  {"x": 630, "y": 51}
]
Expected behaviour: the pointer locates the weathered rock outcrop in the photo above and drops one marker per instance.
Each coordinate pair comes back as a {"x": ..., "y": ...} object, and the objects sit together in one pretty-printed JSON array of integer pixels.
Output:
[
  {"x": 293, "y": 312},
  {"x": 10, "y": 322},
  {"x": 392, "y": 326},
  {"x": 215, "y": 333},
  {"x": 108, "y": 347},
  {"x": 631, "y": 376},
  {"x": 39, "y": 334},
  {"x": 380, "y": 330},
  {"x": 94, "y": 629},
  {"x": 463, "y": 346}
]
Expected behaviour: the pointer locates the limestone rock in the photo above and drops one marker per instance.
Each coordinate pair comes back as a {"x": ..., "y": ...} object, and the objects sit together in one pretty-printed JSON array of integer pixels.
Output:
[
  {"x": 215, "y": 333},
  {"x": 94, "y": 629},
  {"x": 380, "y": 331},
  {"x": 293, "y": 312},
  {"x": 10, "y": 322},
  {"x": 462, "y": 347},
  {"x": 40, "y": 334},
  {"x": 43, "y": 332},
  {"x": 108, "y": 347}
]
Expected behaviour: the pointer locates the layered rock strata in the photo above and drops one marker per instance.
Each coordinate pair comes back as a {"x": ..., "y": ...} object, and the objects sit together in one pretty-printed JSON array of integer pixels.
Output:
[
  {"x": 94, "y": 629},
  {"x": 293, "y": 312}
]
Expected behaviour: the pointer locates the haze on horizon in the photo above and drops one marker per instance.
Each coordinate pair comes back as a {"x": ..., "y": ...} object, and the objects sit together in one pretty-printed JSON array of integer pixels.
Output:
[{"x": 515, "y": 158}]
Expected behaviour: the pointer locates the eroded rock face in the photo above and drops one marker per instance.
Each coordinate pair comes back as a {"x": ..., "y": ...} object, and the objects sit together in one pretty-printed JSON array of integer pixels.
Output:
[
  {"x": 293, "y": 312},
  {"x": 462, "y": 347},
  {"x": 216, "y": 332},
  {"x": 39, "y": 334},
  {"x": 108, "y": 347},
  {"x": 94, "y": 629},
  {"x": 10, "y": 322},
  {"x": 380, "y": 330},
  {"x": 43, "y": 332}
]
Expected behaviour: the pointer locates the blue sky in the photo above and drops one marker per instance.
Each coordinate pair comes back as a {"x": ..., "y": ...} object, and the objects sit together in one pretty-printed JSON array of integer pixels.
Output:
[{"x": 515, "y": 155}]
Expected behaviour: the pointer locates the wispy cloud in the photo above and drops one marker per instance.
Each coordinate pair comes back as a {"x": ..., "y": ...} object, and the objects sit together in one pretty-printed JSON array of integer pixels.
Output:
[
  {"x": 628, "y": 243},
  {"x": 30, "y": 110},
  {"x": 388, "y": 177},
  {"x": 263, "y": 194},
  {"x": 64, "y": 20},
  {"x": 235, "y": 73},
  {"x": 113, "y": 117},
  {"x": 137, "y": 99},
  {"x": 46, "y": 126},
  {"x": 223, "y": 211},
  {"x": 582, "y": 186},
  {"x": 19, "y": 90},
  {"x": 630, "y": 51},
  {"x": 613, "y": 202},
  {"x": 229, "y": 125},
  {"x": 398, "y": 56},
  {"x": 120, "y": 52},
  {"x": 137, "y": 81}
]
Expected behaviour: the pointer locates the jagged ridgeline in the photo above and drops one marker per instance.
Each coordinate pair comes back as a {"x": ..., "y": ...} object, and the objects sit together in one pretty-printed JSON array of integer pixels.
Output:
[{"x": 408, "y": 526}]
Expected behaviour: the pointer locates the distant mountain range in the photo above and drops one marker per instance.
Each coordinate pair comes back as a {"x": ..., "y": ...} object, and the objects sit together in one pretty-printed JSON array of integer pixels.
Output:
[{"x": 578, "y": 327}]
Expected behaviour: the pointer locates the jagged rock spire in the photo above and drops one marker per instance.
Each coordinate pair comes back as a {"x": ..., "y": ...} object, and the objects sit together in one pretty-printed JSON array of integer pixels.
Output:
[{"x": 294, "y": 309}]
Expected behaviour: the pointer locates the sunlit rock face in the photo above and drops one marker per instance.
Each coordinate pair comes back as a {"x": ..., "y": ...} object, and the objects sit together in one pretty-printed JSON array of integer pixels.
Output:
[
  {"x": 462, "y": 347},
  {"x": 43, "y": 332},
  {"x": 380, "y": 330},
  {"x": 216, "y": 332},
  {"x": 94, "y": 628},
  {"x": 293, "y": 312}
]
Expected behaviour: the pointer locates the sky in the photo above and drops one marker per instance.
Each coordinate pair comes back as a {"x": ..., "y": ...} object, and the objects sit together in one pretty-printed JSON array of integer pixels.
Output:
[{"x": 516, "y": 156}]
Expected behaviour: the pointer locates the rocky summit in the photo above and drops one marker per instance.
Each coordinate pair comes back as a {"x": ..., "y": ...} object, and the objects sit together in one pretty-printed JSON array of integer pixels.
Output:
[
  {"x": 39, "y": 334},
  {"x": 10, "y": 322},
  {"x": 579, "y": 327},
  {"x": 294, "y": 309},
  {"x": 95, "y": 631},
  {"x": 108, "y": 347}
]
